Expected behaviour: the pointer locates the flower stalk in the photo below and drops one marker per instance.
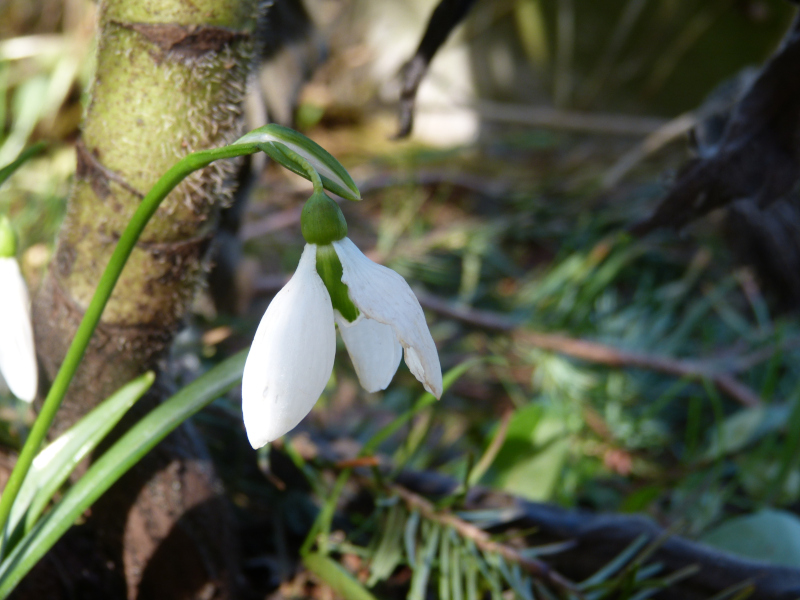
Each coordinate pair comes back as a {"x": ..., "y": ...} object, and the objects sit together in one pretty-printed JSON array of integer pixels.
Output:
[
  {"x": 263, "y": 139},
  {"x": 91, "y": 318}
]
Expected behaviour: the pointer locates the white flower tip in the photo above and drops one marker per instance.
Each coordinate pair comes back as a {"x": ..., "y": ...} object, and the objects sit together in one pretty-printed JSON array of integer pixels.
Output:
[
  {"x": 428, "y": 372},
  {"x": 26, "y": 389},
  {"x": 17, "y": 353},
  {"x": 260, "y": 431}
]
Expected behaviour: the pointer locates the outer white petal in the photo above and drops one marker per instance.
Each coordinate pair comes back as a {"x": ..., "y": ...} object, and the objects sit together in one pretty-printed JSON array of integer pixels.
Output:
[
  {"x": 291, "y": 358},
  {"x": 17, "y": 354},
  {"x": 374, "y": 349},
  {"x": 384, "y": 296}
]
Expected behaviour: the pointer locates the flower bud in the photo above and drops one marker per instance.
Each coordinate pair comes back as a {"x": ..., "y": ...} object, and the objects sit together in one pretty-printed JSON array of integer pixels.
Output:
[
  {"x": 8, "y": 241},
  {"x": 322, "y": 221}
]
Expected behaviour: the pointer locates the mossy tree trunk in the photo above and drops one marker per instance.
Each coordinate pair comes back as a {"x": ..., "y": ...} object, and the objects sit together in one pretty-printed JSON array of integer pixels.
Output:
[{"x": 170, "y": 79}]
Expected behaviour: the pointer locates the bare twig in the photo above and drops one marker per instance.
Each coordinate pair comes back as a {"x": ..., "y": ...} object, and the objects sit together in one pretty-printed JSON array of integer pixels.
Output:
[
  {"x": 596, "y": 538},
  {"x": 669, "y": 131},
  {"x": 482, "y": 540},
  {"x": 546, "y": 117},
  {"x": 606, "y": 355},
  {"x": 594, "y": 351},
  {"x": 585, "y": 350}
]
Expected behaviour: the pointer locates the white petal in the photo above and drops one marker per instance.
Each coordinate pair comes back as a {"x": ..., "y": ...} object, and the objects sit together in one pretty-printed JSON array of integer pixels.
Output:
[
  {"x": 291, "y": 358},
  {"x": 383, "y": 295},
  {"x": 374, "y": 349},
  {"x": 17, "y": 354}
]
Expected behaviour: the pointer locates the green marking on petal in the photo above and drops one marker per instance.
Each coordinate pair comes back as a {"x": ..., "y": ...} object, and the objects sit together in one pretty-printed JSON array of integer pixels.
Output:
[{"x": 329, "y": 268}]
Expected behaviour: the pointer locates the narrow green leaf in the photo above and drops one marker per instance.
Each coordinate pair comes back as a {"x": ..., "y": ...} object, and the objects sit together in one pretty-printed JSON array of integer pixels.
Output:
[
  {"x": 30, "y": 152},
  {"x": 410, "y": 537},
  {"x": 738, "y": 591},
  {"x": 325, "y": 517},
  {"x": 389, "y": 552},
  {"x": 456, "y": 575},
  {"x": 116, "y": 461},
  {"x": 512, "y": 578},
  {"x": 471, "y": 572},
  {"x": 53, "y": 464},
  {"x": 617, "y": 563},
  {"x": 444, "y": 566},
  {"x": 488, "y": 572},
  {"x": 332, "y": 573},
  {"x": 334, "y": 176},
  {"x": 425, "y": 400},
  {"x": 424, "y": 564}
]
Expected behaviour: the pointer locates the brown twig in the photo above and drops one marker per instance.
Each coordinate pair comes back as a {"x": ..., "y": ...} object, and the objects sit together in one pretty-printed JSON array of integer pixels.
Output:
[
  {"x": 606, "y": 355},
  {"x": 585, "y": 350},
  {"x": 558, "y": 119},
  {"x": 594, "y": 351},
  {"x": 482, "y": 540},
  {"x": 668, "y": 132}
]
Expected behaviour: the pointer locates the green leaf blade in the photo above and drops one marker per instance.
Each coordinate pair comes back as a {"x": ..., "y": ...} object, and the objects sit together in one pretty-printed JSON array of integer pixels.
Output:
[
  {"x": 53, "y": 464},
  {"x": 116, "y": 461}
]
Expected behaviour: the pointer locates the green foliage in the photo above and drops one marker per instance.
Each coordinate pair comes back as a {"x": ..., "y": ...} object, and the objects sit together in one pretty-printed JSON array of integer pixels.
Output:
[
  {"x": 115, "y": 462},
  {"x": 55, "y": 463},
  {"x": 768, "y": 535}
]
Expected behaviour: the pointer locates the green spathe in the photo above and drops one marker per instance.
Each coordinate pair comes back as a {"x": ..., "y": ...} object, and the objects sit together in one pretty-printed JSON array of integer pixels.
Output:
[
  {"x": 322, "y": 221},
  {"x": 8, "y": 241},
  {"x": 330, "y": 270},
  {"x": 292, "y": 149}
]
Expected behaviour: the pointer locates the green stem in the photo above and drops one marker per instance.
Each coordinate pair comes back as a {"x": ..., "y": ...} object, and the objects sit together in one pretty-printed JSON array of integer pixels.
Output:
[{"x": 91, "y": 317}]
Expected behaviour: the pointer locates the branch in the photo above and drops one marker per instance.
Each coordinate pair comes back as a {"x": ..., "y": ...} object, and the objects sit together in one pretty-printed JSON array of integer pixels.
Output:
[
  {"x": 757, "y": 155},
  {"x": 600, "y": 537},
  {"x": 445, "y": 17},
  {"x": 482, "y": 540},
  {"x": 594, "y": 351}
]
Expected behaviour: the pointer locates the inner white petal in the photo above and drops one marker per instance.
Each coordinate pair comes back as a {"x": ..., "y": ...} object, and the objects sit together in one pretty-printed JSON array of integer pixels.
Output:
[
  {"x": 291, "y": 358},
  {"x": 373, "y": 348},
  {"x": 384, "y": 296}
]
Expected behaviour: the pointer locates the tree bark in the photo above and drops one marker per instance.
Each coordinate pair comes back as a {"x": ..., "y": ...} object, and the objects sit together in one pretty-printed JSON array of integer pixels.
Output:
[{"x": 170, "y": 79}]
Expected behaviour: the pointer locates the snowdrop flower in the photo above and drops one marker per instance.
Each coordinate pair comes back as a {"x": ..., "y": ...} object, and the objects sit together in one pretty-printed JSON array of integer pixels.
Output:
[
  {"x": 378, "y": 315},
  {"x": 17, "y": 355}
]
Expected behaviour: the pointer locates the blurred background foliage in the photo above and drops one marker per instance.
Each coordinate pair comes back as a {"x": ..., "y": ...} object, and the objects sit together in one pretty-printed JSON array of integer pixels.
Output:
[{"x": 495, "y": 215}]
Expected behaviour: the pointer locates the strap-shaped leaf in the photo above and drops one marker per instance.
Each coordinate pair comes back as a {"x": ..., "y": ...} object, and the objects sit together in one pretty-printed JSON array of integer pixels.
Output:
[
  {"x": 53, "y": 464},
  {"x": 116, "y": 461},
  {"x": 335, "y": 177},
  {"x": 8, "y": 170},
  {"x": 340, "y": 580}
]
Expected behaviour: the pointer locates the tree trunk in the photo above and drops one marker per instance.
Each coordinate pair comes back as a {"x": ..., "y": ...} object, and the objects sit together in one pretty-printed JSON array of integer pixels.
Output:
[{"x": 170, "y": 80}]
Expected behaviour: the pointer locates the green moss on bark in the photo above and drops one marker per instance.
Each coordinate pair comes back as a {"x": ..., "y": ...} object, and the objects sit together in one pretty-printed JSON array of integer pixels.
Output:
[{"x": 170, "y": 80}]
